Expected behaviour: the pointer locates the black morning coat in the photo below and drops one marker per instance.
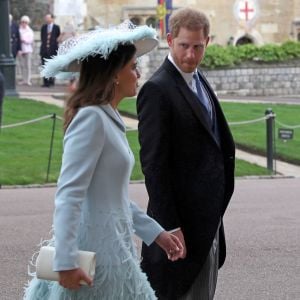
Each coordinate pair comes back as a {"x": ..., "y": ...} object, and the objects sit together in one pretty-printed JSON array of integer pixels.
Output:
[
  {"x": 53, "y": 45},
  {"x": 189, "y": 175},
  {"x": 15, "y": 39}
]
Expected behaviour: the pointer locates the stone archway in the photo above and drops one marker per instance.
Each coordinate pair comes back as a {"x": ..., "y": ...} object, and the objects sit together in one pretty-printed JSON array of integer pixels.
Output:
[
  {"x": 244, "y": 40},
  {"x": 243, "y": 37}
]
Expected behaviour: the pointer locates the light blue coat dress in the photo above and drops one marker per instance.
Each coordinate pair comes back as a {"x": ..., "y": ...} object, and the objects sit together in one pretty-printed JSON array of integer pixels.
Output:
[{"x": 93, "y": 212}]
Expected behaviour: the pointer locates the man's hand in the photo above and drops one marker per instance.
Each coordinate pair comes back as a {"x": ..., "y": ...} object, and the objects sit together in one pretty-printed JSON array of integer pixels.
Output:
[
  {"x": 171, "y": 245},
  {"x": 179, "y": 234},
  {"x": 70, "y": 279}
]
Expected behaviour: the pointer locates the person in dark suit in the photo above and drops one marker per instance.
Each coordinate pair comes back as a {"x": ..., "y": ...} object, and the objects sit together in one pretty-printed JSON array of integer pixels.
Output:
[
  {"x": 15, "y": 40},
  {"x": 2, "y": 90},
  {"x": 49, "y": 44},
  {"x": 187, "y": 156}
]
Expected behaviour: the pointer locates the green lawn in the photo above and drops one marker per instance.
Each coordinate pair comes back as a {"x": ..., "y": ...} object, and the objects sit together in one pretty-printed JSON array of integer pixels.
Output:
[
  {"x": 253, "y": 136},
  {"x": 24, "y": 150}
]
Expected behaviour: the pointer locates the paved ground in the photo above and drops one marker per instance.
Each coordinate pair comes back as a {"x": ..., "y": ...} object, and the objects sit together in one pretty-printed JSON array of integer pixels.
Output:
[{"x": 262, "y": 225}]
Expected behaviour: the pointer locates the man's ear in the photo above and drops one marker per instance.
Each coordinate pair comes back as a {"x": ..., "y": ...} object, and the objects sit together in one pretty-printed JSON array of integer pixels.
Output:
[
  {"x": 207, "y": 40},
  {"x": 169, "y": 39}
]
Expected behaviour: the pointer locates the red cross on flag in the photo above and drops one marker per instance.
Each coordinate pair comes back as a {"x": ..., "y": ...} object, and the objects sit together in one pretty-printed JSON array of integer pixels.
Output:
[{"x": 246, "y": 11}]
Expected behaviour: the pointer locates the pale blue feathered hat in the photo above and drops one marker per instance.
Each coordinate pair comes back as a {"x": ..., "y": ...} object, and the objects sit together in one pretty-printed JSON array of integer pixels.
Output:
[{"x": 100, "y": 41}]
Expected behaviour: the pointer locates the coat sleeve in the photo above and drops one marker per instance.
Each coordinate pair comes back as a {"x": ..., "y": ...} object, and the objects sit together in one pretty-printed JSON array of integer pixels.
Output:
[
  {"x": 155, "y": 125},
  {"x": 145, "y": 227},
  {"x": 83, "y": 144}
]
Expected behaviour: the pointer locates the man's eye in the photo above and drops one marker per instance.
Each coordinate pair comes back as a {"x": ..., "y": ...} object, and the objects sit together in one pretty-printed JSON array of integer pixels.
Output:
[{"x": 199, "y": 47}]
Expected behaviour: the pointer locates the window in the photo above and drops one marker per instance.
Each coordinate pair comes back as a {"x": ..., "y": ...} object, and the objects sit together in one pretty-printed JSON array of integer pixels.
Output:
[
  {"x": 151, "y": 21},
  {"x": 135, "y": 20}
]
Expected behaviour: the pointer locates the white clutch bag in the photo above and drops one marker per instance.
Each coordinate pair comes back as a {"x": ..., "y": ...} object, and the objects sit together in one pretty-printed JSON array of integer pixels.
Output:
[{"x": 44, "y": 264}]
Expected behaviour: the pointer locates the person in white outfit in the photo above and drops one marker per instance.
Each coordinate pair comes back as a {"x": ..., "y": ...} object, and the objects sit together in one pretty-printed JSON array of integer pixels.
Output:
[{"x": 27, "y": 39}]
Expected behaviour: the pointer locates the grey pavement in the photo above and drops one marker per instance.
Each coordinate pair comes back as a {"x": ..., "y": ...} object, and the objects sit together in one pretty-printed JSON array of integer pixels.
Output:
[
  {"x": 262, "y": 229},
  {"x": 55, "y": 95}
]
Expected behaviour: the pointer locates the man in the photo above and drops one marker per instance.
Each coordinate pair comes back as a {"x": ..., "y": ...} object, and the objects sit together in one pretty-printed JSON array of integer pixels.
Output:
[
  {"x": 49, "y": 45},
  {"x": 15, "y": 40},
  {"x": 187, "y": 155},
  {"x": 1, "y": 96}
]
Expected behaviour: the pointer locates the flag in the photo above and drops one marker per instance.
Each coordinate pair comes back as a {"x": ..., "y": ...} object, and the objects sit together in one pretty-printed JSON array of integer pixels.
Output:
[{"x": 164, "y": 10}]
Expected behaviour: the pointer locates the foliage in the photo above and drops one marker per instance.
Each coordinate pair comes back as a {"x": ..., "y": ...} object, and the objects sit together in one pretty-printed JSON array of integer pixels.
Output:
[{"x": 218, "y": 56}]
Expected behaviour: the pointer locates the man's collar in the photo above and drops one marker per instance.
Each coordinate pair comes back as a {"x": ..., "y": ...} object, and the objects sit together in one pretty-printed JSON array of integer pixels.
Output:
[{"x": 188, "y": 77}]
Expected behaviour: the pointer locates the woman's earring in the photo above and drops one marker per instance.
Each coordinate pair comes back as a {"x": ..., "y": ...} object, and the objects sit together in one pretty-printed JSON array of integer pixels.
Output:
[{"x": 117, "y": 82}]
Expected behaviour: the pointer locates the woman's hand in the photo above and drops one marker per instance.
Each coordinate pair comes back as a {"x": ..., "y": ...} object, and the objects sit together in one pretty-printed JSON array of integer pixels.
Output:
[
  {"x": 171, "y": 245},
  {"x": 70, "y": 279}
]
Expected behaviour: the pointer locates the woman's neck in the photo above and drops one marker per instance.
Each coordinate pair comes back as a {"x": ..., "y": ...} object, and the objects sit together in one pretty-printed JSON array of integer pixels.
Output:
[{"x": 115, "y": 101}]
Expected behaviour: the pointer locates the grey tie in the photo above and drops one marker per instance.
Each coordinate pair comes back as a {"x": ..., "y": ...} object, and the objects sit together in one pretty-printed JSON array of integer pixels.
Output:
[{"x": 202, "y": 95}]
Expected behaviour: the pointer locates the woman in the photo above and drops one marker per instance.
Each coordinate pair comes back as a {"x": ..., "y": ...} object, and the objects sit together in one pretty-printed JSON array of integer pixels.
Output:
[
  {"x": 27, "y": 39},
  {"x": 92, "y": 208}
]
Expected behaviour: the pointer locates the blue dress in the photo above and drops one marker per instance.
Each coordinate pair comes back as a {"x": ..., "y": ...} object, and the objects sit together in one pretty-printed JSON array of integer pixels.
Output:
[{"x": 93, "y": 212}]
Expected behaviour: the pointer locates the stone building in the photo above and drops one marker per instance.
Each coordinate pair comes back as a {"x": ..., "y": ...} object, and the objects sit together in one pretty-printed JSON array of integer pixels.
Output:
[{"x": 232, "y": 21}]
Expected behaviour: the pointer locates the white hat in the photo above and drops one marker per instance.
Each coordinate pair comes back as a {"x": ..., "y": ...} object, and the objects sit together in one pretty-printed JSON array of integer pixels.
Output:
[{"x": 100, "y": 41}]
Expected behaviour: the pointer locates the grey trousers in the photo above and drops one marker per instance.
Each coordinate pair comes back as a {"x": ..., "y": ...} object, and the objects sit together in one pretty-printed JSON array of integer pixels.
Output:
[{"x": 204, "y": 286}]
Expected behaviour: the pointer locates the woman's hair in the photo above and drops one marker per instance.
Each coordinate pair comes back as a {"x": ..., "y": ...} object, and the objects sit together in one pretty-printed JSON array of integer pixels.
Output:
[
  {"x": 25, "y": 19},
  {"x": 190, "y": 19},
  {"x": 96, "y": 82}
]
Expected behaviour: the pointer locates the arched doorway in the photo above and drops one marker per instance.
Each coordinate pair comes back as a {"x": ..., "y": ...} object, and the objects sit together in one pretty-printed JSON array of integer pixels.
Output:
[{"x": 244, "y": 40}]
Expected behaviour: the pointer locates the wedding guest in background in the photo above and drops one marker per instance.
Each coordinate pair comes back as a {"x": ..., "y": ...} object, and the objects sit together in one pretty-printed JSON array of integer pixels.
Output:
[
  {"x": 1, "y": 96},
  {"x": 49, "y": 44},
  {"x": 27, "y": 40},
  {"x": 14, "y": 37}
]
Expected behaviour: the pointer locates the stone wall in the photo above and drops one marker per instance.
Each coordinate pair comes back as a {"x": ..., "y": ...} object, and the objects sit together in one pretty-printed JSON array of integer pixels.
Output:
[
  {"x": 252, "y": 80},
  {"x": 259, "y": 80}
]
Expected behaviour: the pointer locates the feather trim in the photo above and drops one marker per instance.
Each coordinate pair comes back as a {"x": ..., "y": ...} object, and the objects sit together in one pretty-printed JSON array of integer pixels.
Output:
[{"x": 118, "y": 274}]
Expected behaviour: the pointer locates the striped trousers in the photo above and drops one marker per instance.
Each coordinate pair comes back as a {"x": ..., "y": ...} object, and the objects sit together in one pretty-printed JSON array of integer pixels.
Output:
[{"x": 204, "y": 286}]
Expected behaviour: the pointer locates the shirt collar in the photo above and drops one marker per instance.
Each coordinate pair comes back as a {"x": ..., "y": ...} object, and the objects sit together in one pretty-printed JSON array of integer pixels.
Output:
[{"x": 188, "y": 77}]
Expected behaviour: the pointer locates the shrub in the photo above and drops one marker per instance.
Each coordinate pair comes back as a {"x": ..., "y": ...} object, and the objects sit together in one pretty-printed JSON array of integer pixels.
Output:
[{"x": 218, "y": 56}]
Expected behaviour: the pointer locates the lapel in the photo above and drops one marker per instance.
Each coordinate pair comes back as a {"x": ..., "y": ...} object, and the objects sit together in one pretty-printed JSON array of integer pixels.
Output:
[
  {"x": 114, "y": 116},
  {"x": 190, "y": 97}
]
